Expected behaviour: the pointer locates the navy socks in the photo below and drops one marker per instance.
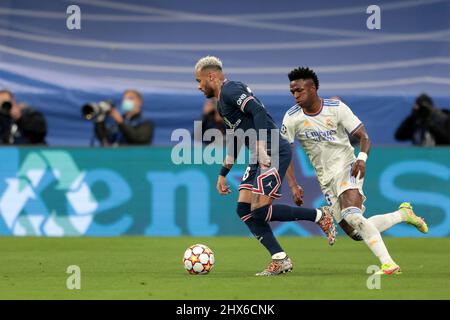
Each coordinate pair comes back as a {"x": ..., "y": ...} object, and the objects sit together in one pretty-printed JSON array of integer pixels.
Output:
[
  {"x": 281, "y": 212},
  {"x": 260, "y": 229}
]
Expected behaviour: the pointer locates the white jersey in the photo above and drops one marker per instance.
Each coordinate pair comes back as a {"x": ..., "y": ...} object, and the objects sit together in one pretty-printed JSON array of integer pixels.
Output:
[{"x": 324, "y": 136}]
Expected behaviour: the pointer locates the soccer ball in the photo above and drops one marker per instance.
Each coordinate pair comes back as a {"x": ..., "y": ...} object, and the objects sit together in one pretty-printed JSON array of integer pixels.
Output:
[{"x": 198, "y": 259}]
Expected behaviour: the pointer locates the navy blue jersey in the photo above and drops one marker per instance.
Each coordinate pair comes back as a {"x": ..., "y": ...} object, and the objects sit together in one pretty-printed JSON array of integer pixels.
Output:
[{"x": 240, "y": 109}]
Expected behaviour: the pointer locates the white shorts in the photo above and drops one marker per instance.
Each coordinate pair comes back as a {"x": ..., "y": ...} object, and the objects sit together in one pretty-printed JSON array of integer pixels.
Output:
[{"x": 341, "y": 182}]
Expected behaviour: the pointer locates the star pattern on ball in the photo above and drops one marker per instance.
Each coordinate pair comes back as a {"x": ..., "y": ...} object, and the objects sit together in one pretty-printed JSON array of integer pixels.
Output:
[
  {"x": 194, "y": 259},
  {"x": 192, "y": 262}
]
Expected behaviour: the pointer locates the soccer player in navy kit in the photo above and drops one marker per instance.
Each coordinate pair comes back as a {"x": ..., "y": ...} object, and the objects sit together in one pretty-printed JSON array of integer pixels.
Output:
[{"x": 243, "y": 112}]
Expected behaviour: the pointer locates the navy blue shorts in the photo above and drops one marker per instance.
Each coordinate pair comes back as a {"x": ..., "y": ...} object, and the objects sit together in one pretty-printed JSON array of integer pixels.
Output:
[{"x": 267, "y": 181}]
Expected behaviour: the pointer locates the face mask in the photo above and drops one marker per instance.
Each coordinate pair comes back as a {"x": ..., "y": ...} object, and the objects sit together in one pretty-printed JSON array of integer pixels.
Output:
[{"x": 127, "y": 105}]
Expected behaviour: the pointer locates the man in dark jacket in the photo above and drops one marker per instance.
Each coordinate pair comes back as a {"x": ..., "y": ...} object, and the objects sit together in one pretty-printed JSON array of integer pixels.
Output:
[
  {"x": 128, "y": 127},
  {"x": 211, "y": 119},
  {"x": 20, "y": 124},
  {"x": 426, "y": 125}
]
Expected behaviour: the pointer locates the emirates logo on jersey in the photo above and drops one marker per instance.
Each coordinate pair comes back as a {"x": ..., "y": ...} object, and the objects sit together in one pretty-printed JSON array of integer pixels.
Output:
[{"x": 319, "y": 136}]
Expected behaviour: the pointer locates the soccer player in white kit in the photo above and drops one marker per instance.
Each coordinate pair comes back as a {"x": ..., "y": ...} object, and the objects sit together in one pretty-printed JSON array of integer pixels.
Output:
[{"x": 322, "y": 127}]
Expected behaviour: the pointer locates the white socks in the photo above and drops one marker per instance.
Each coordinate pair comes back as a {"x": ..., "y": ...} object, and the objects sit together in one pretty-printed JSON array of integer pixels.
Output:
[
  {"x": 279, "y": 255},
  {"x": 318, "y": 215},
  {"x": 376, "y": 244},
  {"x": 385, "y": 221},
  {"x": 368, "y": 232}
]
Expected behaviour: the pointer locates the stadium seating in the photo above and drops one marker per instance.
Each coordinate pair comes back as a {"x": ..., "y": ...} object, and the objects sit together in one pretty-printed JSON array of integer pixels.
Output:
[{"x": 153, "y": 48}]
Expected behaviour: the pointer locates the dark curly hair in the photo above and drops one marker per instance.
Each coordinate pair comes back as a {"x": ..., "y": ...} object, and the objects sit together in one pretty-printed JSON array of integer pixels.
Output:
[{"x": 304, "y": 73}]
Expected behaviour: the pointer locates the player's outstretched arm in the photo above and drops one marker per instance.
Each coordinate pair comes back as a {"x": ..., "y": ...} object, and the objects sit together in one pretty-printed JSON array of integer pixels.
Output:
[{"x": 364, "y": 147}]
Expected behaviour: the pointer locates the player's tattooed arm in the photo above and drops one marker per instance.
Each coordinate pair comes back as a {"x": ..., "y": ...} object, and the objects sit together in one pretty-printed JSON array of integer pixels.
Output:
[
  {"x": 229, "y": 161},
  {"x": 364, "y": 146},
  {"x": 263, "y": 157},
  {"x": 259, "y": 115},
  {"x": 296, "y": 189}
]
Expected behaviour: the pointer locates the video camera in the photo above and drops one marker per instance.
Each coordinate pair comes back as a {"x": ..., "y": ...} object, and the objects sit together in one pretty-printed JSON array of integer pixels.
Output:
[{"x": 97, "y": 110}]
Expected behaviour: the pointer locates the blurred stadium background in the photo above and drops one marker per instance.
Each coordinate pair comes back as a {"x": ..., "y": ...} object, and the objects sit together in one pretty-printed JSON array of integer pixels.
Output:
[{"x": 69, "y": 189}]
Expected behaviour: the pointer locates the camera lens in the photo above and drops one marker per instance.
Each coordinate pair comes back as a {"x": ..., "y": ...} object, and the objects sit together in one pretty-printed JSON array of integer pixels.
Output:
[
  {"x": 88, "y": 111},
  {"x": 6, "y": 106}
]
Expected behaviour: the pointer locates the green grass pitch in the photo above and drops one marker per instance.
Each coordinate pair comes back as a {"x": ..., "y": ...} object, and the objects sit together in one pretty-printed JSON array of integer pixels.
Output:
[{"x": 151, "y": 268}]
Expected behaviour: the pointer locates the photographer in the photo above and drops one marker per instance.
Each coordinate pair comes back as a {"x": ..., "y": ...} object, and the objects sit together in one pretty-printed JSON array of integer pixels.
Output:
[
  {"x": 426, "y": 125},
  {"x": 20, "y": 124},
  {"x": 211, "y": 119},
  {"x": 127, "y": 128}
]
